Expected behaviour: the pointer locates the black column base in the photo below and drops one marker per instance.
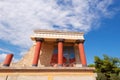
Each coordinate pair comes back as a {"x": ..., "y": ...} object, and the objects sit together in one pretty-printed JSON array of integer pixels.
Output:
[
  {"x": 6, "y": 65},
  {"x": 35, "y": 65}
]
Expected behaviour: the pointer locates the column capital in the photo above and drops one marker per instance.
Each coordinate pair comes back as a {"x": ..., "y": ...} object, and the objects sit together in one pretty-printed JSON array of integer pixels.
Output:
[
  {"x": 80, "y": 41},
  {"x": 60, "y": 40},
  {"x": 39, "y": 39}
]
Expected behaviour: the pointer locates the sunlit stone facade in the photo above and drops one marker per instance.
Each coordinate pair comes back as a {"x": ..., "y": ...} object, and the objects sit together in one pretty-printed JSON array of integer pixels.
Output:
[{"x": 55, "y": 55}]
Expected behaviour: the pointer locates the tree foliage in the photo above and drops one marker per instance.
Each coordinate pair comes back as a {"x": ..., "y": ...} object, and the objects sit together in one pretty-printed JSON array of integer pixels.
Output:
[
  {"x": 101, "y": 76},
  {"x": 108, "y": 68},
  {"x": 91, "y": 65}
]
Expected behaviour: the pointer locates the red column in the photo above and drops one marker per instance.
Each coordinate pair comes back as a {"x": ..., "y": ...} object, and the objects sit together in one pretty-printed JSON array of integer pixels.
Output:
[
  {"x": 82, "y": 52},
  {"x": 8, "y": 60},
  {"x": 60, "y": 52},
  {"x": 37, "y": 51}
]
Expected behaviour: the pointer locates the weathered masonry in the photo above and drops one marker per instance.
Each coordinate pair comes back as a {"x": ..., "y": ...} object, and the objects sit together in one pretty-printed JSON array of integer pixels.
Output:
[
  {"x": 55, "y": 55},
  {"x": 59, "y": 41}
]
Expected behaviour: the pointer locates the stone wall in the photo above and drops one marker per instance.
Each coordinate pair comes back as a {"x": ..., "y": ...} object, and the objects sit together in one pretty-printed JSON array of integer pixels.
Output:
[
  {"x": 44, "y": 58},
  {"x": 24, "y": 73},
  {"x": 26, "y": 60},
  {"x": 48, "y": 78},
  {"x": 77, "y": 57},
  {"x": 59, "y": 75},
  {"x": 46, "y": 53}
]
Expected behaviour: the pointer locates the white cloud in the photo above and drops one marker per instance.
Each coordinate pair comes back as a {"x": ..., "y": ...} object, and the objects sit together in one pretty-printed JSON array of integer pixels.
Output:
[
  {"x": 3, "y": 53},
  {"x": 2, "y": 57},
  {"x": 5, "y": 50},
  {"x": 18, "y": 18}
]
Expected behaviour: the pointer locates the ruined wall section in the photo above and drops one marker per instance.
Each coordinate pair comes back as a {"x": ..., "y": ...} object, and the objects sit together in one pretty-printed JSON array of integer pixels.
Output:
[
  {"x": 44, "y": 58},
  {"x": 46, "y": 53},
  {"x": 26, "y": 60},
  {"x": 77, "y": 57}
]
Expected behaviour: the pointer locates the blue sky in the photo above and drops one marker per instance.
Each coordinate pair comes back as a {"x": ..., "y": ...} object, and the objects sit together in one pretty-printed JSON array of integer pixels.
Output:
[
  {"x": 99, "y": 19},
  {"x": 105, "y": 39}
]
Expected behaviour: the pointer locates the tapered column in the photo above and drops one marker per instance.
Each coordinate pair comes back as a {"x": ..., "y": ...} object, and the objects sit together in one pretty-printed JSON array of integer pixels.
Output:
[
  {"x": 60, "y": 51},
  {"x": 8, "y": 60},
  {"x": 82, "y": 52},
  {"x": 37, "y": 51}
]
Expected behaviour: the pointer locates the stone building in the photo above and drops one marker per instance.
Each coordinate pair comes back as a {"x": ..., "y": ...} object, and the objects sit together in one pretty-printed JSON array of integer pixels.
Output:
[{"x": 55, "y": 55}]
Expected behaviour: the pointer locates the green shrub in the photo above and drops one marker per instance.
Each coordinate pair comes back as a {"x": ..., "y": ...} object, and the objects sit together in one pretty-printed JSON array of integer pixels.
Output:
[
  {"x": 101, "y": 76},
  {"x": 114, "y": 77}
]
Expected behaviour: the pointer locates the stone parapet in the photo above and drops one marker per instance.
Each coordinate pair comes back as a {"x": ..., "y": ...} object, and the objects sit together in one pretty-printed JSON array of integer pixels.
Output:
[{"x": 47, "y": 73}]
